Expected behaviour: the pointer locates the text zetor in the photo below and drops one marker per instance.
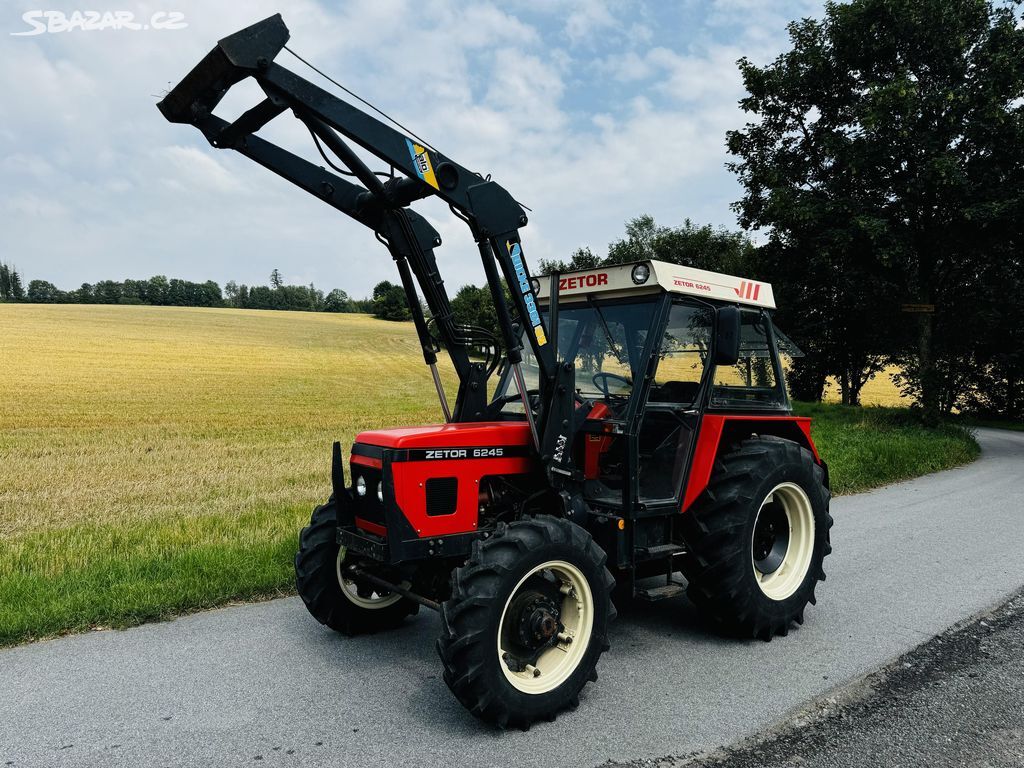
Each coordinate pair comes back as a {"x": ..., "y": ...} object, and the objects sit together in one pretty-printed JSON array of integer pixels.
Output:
[{"x": 572, "y": 282}]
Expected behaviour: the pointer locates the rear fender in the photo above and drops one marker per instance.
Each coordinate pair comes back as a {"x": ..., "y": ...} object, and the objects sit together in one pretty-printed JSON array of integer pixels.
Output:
[{"x": 719, "y": 431}]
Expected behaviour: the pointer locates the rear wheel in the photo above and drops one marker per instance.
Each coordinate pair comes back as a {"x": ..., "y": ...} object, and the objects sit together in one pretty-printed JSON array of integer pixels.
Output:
[
  {"x": 758, "y": 537},
  {"x": 331, "y": 591},
  {"x": 527, "y": 621}
]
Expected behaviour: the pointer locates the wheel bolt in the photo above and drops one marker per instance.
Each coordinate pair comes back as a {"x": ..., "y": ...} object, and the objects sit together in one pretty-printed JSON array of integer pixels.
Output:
[
  {"x": 531, "y": 670},
  {"x": 565, "y": 638}
]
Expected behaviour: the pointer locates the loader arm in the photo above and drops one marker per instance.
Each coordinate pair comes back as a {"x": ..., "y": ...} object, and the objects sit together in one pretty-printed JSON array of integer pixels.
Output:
[{"x": 493, "y": 216}]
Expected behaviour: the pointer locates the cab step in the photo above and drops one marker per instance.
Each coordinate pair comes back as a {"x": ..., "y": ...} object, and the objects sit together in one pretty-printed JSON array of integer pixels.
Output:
[
  {"x": 662, "y": 592},
  {"x": 659, "y": 551}
]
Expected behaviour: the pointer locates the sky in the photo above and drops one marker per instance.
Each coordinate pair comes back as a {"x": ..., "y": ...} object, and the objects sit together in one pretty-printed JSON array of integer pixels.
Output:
[{"x": 589, "y": 112}]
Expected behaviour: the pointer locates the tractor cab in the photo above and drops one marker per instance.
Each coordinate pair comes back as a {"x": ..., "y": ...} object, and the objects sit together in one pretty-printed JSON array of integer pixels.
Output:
[{"x": 654, "y": 348}]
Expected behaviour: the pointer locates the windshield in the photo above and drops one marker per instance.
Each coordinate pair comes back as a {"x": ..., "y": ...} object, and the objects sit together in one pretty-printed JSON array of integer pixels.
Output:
[{"x": 604, "y": 340}]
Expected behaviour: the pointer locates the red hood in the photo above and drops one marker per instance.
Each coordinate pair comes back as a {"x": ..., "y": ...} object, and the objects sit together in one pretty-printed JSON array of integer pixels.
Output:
[{"x": 465, "y": 435}]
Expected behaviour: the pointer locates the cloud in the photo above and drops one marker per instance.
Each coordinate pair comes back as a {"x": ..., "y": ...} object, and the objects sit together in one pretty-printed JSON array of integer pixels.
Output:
[
  {"x": 587, "y": 20},
  {"x": 588, "y": 112}
]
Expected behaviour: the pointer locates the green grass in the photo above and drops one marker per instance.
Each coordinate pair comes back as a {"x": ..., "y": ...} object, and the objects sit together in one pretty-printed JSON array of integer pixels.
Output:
[
  {"x": 871, "y": 446},
  {"x": 143, "y": 570},
  {"x": 161, "y": 460}
]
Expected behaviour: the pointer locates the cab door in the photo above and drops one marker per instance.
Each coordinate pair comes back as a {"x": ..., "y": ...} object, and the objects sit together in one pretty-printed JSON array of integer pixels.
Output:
[{"x": 671, "y": 416}]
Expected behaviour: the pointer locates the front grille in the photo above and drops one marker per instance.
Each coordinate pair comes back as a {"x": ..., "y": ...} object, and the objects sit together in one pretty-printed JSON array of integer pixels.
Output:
[
  {"x": 442, "y": 495},
  {"x": 367, "y": 507}
]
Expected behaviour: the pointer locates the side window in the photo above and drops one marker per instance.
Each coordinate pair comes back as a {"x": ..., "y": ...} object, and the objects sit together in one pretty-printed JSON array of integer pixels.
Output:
[
  {"x": 753, "y": 380},
  {"x": 684, "y": 350}
]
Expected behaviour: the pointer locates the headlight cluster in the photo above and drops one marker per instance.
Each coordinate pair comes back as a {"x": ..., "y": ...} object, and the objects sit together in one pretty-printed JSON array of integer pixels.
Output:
[{"x": 361, "y": 488}]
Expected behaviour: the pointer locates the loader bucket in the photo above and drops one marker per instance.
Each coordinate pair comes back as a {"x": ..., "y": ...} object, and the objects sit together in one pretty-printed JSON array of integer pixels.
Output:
[{"x": 236, "y": 57}]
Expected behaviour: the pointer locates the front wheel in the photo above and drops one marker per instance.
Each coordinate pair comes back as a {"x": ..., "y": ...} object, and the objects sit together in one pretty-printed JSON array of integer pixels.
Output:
[
  {"x": 757, "y": 538},
  {"x": 328, "y": 585},
  {"x": 527, "y": 621}
]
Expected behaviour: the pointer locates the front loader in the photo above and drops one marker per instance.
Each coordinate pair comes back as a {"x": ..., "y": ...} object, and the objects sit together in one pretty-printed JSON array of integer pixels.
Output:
[{"x": 628, "y": 423}]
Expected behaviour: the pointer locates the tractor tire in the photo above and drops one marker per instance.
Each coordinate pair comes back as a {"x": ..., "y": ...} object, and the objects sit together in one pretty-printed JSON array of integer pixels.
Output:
[
  {"x": 757, "y": 537},
  {"x": 332, "y": 599},
  {"x": 527, "y": 621}
]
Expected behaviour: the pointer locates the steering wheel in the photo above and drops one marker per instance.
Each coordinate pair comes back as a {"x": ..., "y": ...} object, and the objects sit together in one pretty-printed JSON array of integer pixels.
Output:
[
  {"x": 604, "y": 376},
  {"x": 532, "y": 394}
]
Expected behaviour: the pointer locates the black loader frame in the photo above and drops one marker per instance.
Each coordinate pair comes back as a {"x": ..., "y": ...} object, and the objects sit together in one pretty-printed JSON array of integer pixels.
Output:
[
  {"x": 524, "y": 563},
  {"x": 492, "y": 215}
]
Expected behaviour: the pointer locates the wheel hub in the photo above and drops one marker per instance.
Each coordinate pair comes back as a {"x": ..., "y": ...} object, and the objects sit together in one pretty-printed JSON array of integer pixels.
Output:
[
  {"x": 537, "y": 621},
  {"x": 771, "y": 538},
  {"x": 543, "y": 624}
]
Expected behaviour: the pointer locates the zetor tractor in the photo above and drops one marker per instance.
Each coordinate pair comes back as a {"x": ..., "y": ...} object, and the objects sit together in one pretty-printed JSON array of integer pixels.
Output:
[{"x": 628, "y": 423}]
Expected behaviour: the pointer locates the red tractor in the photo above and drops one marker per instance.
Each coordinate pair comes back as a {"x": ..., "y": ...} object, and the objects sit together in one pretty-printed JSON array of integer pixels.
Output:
[{"x": 628, "y": 423}]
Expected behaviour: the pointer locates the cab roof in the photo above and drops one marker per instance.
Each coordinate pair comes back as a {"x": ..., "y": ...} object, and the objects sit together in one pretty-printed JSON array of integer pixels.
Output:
[{"x": 623, "y": 280}]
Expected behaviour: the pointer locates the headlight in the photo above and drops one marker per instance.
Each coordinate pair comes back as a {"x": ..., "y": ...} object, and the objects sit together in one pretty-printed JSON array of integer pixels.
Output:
[
  {"x": 361, "y": 486},
  {"x": 641, "y": 274},
  {"x": 380, "y": 492}
]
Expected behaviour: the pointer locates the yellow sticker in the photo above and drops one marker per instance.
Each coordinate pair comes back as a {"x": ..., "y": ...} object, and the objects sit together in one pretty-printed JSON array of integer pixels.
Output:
[{"x": 421, "y": 162}]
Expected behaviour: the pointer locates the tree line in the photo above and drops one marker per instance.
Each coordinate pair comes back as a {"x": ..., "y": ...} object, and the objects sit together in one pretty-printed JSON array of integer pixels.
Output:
[{"x": 161, "y": 291}]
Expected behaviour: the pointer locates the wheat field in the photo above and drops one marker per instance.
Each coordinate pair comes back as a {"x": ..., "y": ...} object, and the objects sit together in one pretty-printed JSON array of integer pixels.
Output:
[
  {"x": 166, "y": 457},
  {"x": 155, "y": 460}
]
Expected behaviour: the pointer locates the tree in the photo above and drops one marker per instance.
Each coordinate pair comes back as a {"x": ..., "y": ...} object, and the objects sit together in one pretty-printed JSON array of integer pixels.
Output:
[
  {"x": 210, "y": 295},
  {"x": 473, "y": 306},
  {"x": 316, "y": 298},
  {"x": 389, "y": 302},
  {"x": 702, "y": 247},
  {"x": 337, "y": 301},
  {"x": 42, "y": 292},
  {"x": 581, "y": 258},
  {"x": 261, "y": 297},
  {"x": 107, "y": 292},
  {"x": 17, "y": 289},
  {"x": 887, "y": 160},
  {"x": 133, "y": 292},
  {"x": 157, "y": 290},
  {"x": 5, "y": 282},
  {"x": 276, "y": 281}
]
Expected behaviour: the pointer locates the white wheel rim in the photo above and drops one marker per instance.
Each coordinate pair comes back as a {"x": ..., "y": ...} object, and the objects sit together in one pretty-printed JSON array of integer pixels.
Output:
[
  {"x": 350, "y": 590},
  {"x": 557, "y": 662},
  {"x": 783, "y": 581}
]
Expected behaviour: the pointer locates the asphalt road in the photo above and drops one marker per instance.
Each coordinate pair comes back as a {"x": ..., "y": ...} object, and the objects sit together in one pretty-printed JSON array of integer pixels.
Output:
[
  {"x": 957, "y": 700},
  {"x": 265, "y": 684}
]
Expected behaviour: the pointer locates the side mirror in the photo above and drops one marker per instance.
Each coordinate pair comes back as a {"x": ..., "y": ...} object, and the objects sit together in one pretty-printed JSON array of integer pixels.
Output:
[{"x": 727, "y": 336}]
